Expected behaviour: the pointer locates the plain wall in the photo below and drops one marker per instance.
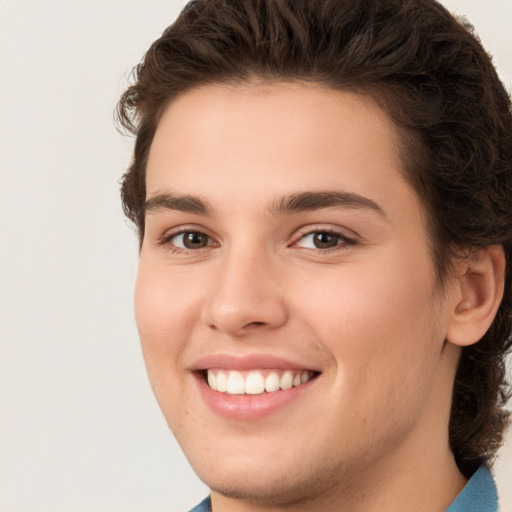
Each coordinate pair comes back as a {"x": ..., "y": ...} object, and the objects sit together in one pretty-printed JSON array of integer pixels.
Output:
[{"x": 79, "y": 428}]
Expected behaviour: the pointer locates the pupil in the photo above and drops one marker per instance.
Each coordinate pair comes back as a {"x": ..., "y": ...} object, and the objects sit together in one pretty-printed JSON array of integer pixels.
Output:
[
  {"x": 193, "y": 240},
  {"x": 325, "y": 240}
]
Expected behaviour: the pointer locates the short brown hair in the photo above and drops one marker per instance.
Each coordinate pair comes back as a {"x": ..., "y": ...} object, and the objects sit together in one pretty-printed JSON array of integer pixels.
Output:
[{"x": 430, "y": 74}]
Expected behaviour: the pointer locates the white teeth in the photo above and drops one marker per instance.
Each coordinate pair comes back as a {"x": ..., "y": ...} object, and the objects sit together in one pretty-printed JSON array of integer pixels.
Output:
[
  {"x": 272, "y": 382},
  {"x": 212, "y": 380},
  {"x": 222, "y": 382},
  {"x": 286, "y": 381},
  {"x": 254, "y": 382},
  {"x": 236, "y": 384}
]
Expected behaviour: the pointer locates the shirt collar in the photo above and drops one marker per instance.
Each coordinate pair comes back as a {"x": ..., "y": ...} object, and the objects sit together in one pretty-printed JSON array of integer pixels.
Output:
[{"x": 479, "y": 494}]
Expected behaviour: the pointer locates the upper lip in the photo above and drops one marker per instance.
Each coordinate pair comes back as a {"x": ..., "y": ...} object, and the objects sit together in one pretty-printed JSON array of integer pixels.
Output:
[{"x": 248, "y": 362}]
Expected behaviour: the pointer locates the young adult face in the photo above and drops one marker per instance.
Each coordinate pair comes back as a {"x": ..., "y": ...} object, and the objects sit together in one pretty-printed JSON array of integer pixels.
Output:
[{"x": 283, "y": 242}]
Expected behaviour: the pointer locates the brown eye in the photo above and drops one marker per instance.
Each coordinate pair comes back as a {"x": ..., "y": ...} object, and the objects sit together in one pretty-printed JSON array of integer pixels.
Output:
[
  {"x": 190, "y": 240},
  {"x": 194, "y": 240},
  {"x": 324, "y": 240}
]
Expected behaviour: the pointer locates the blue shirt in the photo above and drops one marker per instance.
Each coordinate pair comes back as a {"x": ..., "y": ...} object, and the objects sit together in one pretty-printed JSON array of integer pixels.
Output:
[{"x": 479, "y": 495}]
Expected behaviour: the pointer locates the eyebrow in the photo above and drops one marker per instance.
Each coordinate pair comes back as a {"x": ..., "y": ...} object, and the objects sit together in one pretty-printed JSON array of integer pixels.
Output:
[
  {"x": 187, "y": 204},
  {"x": 299, "y": 202},
  {"x": 306, "y": 201}
]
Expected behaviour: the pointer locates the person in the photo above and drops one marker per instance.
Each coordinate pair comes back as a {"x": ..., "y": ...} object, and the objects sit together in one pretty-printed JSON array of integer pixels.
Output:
[{"x": 322, "y": 191}]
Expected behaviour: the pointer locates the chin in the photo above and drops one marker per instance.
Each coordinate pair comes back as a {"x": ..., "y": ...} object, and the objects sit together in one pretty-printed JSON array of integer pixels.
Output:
[
  {"x": 269, "y": 482},
  {"x": 261, "y": 490}
]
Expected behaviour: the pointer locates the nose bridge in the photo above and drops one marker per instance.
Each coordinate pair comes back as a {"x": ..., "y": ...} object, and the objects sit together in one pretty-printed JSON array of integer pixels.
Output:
[{"x": 246, "y": 292}]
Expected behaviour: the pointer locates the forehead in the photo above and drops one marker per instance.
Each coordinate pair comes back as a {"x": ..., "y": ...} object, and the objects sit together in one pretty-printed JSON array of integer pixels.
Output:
[{"x": 231, "y": 142}]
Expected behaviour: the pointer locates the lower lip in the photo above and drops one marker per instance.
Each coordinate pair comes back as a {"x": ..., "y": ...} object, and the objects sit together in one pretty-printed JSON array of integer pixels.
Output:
[{"x": 249, "y": 407}]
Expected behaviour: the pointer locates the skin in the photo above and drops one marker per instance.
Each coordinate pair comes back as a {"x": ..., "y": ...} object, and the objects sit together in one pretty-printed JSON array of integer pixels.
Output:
[{"x": 371, "y": 431}]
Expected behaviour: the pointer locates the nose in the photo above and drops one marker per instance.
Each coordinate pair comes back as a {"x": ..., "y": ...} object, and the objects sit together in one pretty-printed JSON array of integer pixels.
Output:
[{"x": 247, "y": 294}]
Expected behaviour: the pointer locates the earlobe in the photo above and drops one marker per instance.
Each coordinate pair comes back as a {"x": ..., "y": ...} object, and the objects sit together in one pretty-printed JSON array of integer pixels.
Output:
[{"x": 479, "y": 292}]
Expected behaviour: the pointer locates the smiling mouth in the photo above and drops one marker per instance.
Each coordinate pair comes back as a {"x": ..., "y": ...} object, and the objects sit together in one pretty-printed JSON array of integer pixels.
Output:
[{"x": 256, "y": 382}]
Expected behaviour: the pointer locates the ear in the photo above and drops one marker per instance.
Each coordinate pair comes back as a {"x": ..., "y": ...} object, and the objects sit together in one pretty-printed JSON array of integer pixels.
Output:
[{"x": 479, "y": 289}]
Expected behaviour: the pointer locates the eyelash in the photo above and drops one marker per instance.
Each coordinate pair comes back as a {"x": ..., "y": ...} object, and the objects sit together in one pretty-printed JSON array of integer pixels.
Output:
[
  {"x": 166, "y": 240},
  {"x": 343, "y": 241}
]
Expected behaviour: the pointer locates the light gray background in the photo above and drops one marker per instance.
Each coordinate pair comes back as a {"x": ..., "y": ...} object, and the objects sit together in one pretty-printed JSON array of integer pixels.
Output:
[{"x": 79, "y": 428}]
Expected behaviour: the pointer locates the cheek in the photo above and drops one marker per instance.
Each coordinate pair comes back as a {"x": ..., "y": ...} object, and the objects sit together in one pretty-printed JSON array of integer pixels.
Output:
[
  {"x": 164, "y": 314},
  {"x": 165, "y": 318},
  {"x": 377, "y": 321}
]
